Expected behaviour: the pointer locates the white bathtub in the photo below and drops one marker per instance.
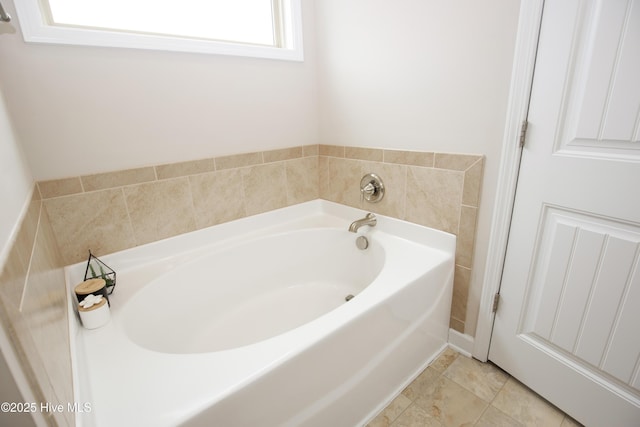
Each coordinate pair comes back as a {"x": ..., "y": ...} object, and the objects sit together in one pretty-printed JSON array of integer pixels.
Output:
[{"x": 247, "y": 323}]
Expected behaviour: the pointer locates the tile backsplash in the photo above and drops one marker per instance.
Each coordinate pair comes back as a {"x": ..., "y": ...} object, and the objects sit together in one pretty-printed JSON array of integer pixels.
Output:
[
  {"x": 113, "y": 211},
  {"x": 438, "y": 190},
  {"x": 33, "y": 310}
]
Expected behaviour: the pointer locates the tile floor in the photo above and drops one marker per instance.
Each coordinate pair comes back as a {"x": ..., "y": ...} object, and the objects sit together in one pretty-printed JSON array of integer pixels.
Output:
[{"x": 459, "y": 391}]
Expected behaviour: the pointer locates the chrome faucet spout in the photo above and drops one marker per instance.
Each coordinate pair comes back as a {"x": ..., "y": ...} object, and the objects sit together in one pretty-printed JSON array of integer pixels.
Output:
[{"x": 369, "y": 219}]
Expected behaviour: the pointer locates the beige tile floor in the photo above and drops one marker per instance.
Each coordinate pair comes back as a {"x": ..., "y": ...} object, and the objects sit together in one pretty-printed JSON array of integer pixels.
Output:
[{"x": 459, "y": 391}]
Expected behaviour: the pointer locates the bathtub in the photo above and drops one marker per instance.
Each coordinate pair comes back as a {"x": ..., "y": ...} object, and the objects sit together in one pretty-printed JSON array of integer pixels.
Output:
[{"x": 274, "y": 320}]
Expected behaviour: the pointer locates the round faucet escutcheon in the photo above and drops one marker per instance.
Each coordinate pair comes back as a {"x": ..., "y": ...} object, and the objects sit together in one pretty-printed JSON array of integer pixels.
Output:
[{"x": 371, "y": 188}]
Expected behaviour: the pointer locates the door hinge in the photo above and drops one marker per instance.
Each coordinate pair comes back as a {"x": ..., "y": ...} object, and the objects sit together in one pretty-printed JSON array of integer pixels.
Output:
[
  {"x": 523, "y": 132},
  {"x": 496, "y": 301}
]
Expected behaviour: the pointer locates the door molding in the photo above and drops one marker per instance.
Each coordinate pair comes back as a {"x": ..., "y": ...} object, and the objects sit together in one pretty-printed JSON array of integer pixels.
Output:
[{"x": 529, "y": 21}]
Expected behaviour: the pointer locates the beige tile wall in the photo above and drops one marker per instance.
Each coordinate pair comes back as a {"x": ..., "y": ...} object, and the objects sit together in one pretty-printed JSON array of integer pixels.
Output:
[
  {"x": 112, "y": 211},
  {"x": 33, "y": 310},
  {"x": 438, "y": 190}
]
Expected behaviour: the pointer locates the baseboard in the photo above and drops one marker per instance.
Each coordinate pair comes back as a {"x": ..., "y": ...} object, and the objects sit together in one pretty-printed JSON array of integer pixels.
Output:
[{"x": 460, "y": 342}]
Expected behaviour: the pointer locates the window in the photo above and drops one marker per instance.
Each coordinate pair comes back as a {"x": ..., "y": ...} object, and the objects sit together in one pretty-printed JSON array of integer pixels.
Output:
[{"x": 258, "y": 28}]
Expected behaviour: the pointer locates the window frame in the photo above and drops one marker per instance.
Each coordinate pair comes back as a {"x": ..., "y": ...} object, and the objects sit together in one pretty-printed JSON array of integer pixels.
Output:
[{"x": 36, "y": 29}]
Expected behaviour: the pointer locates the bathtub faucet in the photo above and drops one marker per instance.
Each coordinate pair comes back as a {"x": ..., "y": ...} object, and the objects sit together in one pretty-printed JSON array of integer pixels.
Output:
[{"x": 369, "y": 219}]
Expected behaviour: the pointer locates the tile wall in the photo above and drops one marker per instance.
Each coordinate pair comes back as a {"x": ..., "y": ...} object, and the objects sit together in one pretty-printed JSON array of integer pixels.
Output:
[
  {"x": 438, "y": 190},
  {"x": 33, "y": 310},
  {"x": 113, "y": 211}
]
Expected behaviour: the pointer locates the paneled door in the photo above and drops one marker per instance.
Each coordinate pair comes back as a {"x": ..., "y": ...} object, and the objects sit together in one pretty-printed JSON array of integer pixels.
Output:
[{"x": 568, "y": 322}]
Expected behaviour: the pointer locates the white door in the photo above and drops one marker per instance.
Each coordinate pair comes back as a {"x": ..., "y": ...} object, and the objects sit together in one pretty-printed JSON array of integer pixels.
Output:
[{"x": 568, "y": 324}]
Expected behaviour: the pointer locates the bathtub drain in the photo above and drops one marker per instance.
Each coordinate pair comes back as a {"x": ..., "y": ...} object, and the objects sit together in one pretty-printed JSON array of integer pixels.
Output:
[
  {"x": 348, "y": 297},
  {"x": 362, "y": 243}
]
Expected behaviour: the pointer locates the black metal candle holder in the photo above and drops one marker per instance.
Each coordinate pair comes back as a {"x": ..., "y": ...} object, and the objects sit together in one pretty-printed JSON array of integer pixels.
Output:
[{"x": 97, "y": 269}]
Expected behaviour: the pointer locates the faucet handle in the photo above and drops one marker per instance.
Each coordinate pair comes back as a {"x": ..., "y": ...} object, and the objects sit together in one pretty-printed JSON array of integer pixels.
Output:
[
  {"x": 367, "y": 191},
  {"x": 371, "y": 188}
]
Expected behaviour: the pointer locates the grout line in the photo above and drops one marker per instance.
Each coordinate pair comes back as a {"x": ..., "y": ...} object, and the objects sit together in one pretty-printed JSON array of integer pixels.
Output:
[
  {"x": 473, "y": 164},
  {"x": 126, "y": 206},
  {"x": 31, "y": 255},
  {"x": 288, "y": 196},
  {"x": 192, "y": 205},
  {"x": 404, "y": 192},
  {"x": 475, "y": 423}
]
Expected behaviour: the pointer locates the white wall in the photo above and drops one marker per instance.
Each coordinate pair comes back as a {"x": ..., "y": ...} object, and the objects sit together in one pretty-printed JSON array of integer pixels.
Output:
[
  {"x": 16, "y": 182},
  {"x": 419, "y": 74},
  {"x": 415, "y": 73},
  {"x": 81, "y": 110}
]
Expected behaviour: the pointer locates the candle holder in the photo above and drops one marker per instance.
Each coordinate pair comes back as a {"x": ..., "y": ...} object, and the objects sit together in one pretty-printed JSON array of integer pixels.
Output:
[{"x": 97, "y": 269}]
